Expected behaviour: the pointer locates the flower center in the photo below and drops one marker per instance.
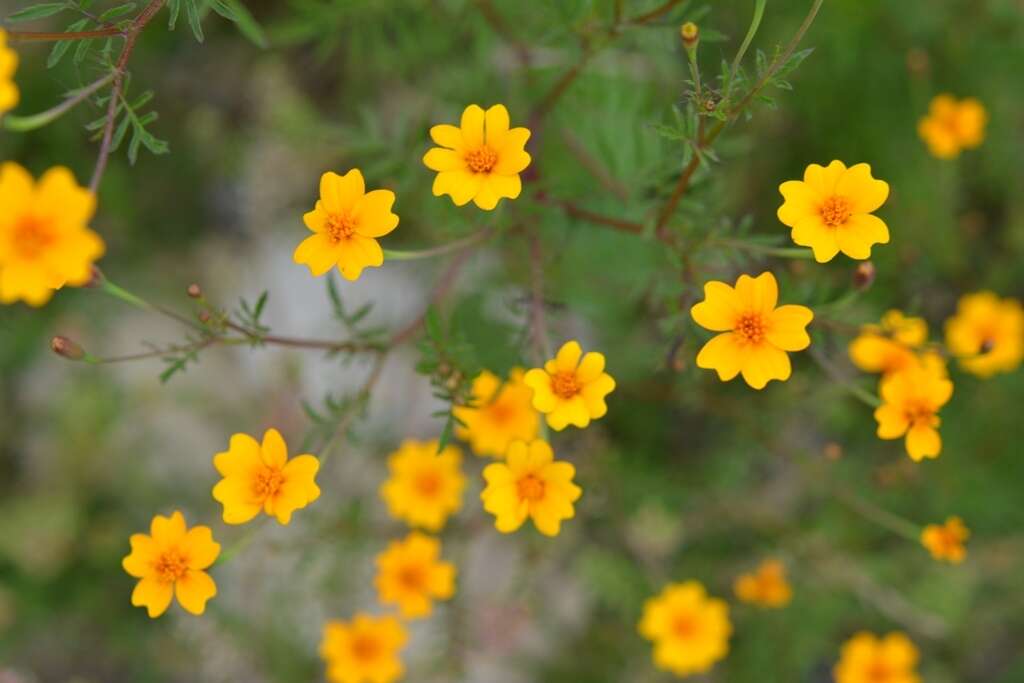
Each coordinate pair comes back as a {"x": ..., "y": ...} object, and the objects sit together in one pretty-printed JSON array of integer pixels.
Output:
[
  {"x": 268, "y": 482},
  {"x": 751, "y": 328},
  {"x": 340, "y": 226},
  {"x": 530, "y": 488},
  {"x": 365, "y": 648},
  {"x": 428, "y": 483},
  {"x": 170, "y": 566},
  {"x": 481, "y": 159},
  {"x": 919, "y": 412},
  {"x": 32, "y": 236},
  {"x": 684, "y": 626},
  {"x": 412, "y": 577},
  {"x": 565, "y": 385},
  {"x": 878, "y": 672},
  {"x": 835, "y": 211}
]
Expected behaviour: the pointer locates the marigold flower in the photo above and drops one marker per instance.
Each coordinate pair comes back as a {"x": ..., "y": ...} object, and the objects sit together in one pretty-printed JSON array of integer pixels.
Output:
[
  {"x": 911, "y": 400},
  {"x": 987, "y": 334},
  {"x": 424, "y": 486},
  {"x": 952, "y": 125},
  {"x": 889, "y": 347},
  {"x": 44, "y": 240},
  {"x": 262, "y": 477},
  {"x": 364, "y": 650},
  {"x": 530, "y": 483},
  {"x": 170, "y": 561},
  {"x": 411, "y": 575},
  {"x": 690, "y": 630},
  {"x": 755, "y": 333},
  {"x": 502, "y": 412},
  {"x": 479, "y": 160},
  {"x": 9, "y": 94},
  {"x": 570, "y": 390},
  {"x": 866, "y": 658},
  {"x": 766, "y": 587},
  {"x": 946, "y": 541},
  {"x": 345, "y": 223},
  {"x": 831, "y": 210}
]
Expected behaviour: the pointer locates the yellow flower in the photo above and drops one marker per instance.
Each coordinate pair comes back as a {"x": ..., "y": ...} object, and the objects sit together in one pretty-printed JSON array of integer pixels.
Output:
[
  {"x": 44, "y": 240},
  {"x": 831, "y": 209},
  {"x": 911, "y": 400},
  {"x": 889, "y": 347},
  {"x": 946, "y": 541},
  {"x": 690, "y": 630},
  {"x": 502, "y": 413},
  {"x": 262, "y": 477},
  {"x": 170, "y": 561},
  {"x": 766, "y": 587},
  {"x": 755, "y": 333},
  {"x": 9, "y": 95},
  {"x": 345, "y": 223},
  {"x": 410, "y": 575},
  {"x": 425, "y": 486},
  {"x": 364, "y": 650},
  {"x": 479, "y": 160},
  {"x": 866, "y": 658},
  {"x": 952, "y": 126},
  {"x": 571, "y": 391},
  {"x": 530, "y": 484},
  {"x": 987, "y": 334}
]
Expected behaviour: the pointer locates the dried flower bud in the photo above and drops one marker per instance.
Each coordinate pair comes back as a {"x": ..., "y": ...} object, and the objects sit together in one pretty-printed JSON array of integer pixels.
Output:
[
  {"x": 864, "y": 275},
  {"x": 204, "y": 317},
  {"x": 194, "y": 291},
  {"x": 95, "y": 279},
  {"x": 690, "y": 34},
  {"x": 62, "y": 346}
]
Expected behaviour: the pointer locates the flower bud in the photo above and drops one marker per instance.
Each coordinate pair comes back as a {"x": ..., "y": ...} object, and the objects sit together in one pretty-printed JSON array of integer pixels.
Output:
[
  {"x": 62, "y": 346},
  {"x": 95, "y": 278},
  {"x": 690, "y": 34},
  {"x": 204, "y": 317},
  {"x": 864, "y": 275},
  {"x": 194, "y": 291}
]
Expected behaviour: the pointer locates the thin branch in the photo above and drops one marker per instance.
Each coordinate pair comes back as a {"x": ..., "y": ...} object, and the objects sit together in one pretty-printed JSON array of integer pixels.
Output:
[
  {"x": 25, "y": 123},
  {"x": 592, "y": 216},
  {"x": 648, "y": 17},
  {"x": 49, "y": 36}
]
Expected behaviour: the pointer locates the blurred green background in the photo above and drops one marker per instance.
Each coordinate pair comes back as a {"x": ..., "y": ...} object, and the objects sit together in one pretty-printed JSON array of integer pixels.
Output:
[{"x": 685, "y": 478}]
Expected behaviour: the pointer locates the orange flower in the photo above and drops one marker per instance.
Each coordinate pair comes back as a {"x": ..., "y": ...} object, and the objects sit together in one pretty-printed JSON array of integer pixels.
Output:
[
  {"x": 946, "y": 541},
  {"x": 952, "y": 126}
]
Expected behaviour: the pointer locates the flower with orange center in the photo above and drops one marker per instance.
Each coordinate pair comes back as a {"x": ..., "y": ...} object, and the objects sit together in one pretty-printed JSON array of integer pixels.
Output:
[
  {"x": 530, "y": 484},
  {"x": 410, "y": 574},
  {"x": 755, "y": 333},
  {"x": 170, "y": 561},
  {"x": 911, "y": 400},
  {"x": 502, "y": 412},
  {"x": 831, "y": 210},
  {"x": 987, "y": 334},
  {"x": 766, "y": 587},
  {"x": 946, "y": 541},
  {"x": 364, "y": 650},
  {"x": 345, "y": 223},
  {"x": 889, "y": 347},
  {"x": 44, "y": 240},
  {"x": 9, "y": 95},
  {"x": 866, "y": 658},
  {"x": 261, "y": 477},
  {"x": 424, "y": 486},
  {"x": 690, "y": 630},
  {"x": 952, "y": 125},
  {"x": 479, "y": 160},
  {"x": 569, "y": 389}
]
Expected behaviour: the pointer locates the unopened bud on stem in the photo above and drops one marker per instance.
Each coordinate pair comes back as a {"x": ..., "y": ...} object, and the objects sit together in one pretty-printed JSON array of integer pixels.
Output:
[
  {"x": 194, "y": 291},
  {"x": 864, "y": 275},
  {"x": 62, "y": 346},
  {"x": 690, "y": 34},
  {"x": 95, "y": 278}
]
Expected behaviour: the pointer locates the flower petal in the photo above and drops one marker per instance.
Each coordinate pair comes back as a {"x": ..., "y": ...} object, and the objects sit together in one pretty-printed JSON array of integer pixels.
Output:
[
  {"x": 764, "y": 363},
  {"x": 496, "y": 122},
  {"x": 373, "y": 214},
  {"x": 866, "y": 194},
  {"x": 199, "y": 547},
  {"x": 447, "y": 136},
  {"x": 194, "y": 589},
  {"x": 724, "y": 354},
  {"x": 273, "y": 450},
  {"x": 720, "y": 308},
  {"x": 923, "y": 441},
  {"x": 786, "y": 327},
  {"x": 472, "y": 126},
  {"x": 859, "y": 233},
  {"x": 340, "y": 193},
  {"x": 154, "y": 595}
]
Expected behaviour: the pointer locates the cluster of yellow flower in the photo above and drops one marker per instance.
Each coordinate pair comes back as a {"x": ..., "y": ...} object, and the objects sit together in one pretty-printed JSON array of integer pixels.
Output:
[
  {"x": 952, "y": 125},
  {"x": 9, "y": 94}
]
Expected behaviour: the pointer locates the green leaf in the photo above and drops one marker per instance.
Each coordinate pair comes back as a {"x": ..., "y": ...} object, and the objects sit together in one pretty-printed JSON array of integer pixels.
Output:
[
  {"x": 119, "y": 134},
  {"x": 173, "y": 9},
  {"x": 119, "y": 11},
  {"x": 47, "y": 9},
  {"x": 194, "y": 21},
  {"x": 62, "y": 46},
  {"x": 235, "y": 11}
]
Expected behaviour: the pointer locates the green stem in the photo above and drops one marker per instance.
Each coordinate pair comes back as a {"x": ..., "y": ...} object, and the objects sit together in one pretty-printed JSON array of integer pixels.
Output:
[
  {"x": 782, "y": 252},
  {"x": 755, "y": 23},
  {"x": 238, "y": 546},
  {"x": 126, "y": 296},
  {"x": 23, "y": 124},
  {"x": 884, "y": 518},
  {"x": 413, "y": 255}
]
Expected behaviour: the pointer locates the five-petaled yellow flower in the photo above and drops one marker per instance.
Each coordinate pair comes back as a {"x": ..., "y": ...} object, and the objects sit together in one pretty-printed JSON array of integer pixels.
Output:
[
  {"x": 502, "y": 412},
  {"x": 346, "y": 223},
  {"x": 410, "y": 574},
  {"x": 9, "y": 95},
  {"x": 866, "y": 658},
  {"x": 831, "y": 210},
  {"x": 570, "y": 390},
  {"x": 946, "y": 541},
  {"x": 45, "y": 242},
  {"x": 424, "y": 486},
  {"x": 987, "y": 334},
  {"x": 171, "y": 561},
  {"x": 911, "y": 400},
  {"x": 755, "y": 333},
  {"x": 530, "y": 483},
  {"x": 260, "y": 476},
  {"x": 690, "y": 630},
  {"x": 364, "y": 650},
  {"x": 890, "y": 346},
  {"x": 952, "y": 125},
  {"x": 765, "y": 587},
  {"x": 479, "y": 160}
]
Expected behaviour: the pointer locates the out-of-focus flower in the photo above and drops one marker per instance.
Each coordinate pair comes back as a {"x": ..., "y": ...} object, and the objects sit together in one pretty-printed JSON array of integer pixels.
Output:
[
  {"x": 502, "y": 412},
  {"x": 170, "y": 561},
  {"x": 755, "y": 333},
  {"x": 946, "y": 541},
  {"x": 866, "y": 658},
  {"x": 831, "y": 210},
  {"x": 890, "y": 346},
  {"x": 9, "y": 94},
  {"x": 911, "y": 400},
  {"x": 424, "y": 486},
  {"x": 481, "y": 159},
  {"x": 690, "y": 630},
  {"x": 410, "y": 574},
  {"x": 346, "y": 223},
  {"x": 45, "y": 242},
  {"x": 952, "y": 125},
  {"x": 530, "y": 484},
  {"x": 260, "y": 476},
  {"x": 987, "y": 334},
  {"x": 570, "y": 390},
  {"x": 364, "y": 650},
  {"x": 765, "y": 587}
]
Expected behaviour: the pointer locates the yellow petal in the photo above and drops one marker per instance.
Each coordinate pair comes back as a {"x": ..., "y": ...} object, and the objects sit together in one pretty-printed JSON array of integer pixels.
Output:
[
  {"x": 593, "y": 394},
  {"x": 154, "y": 595},
  {"x": 892, "y": 421},
  {"x": 866, "y": 194},
  {"x": 759, "y": 294},
  {"x": 786, "y": 327},
  {"x": 241, "y": 458},
  {"x": 496, "y": 123},
  {"x": 462, "y": 186},
  {"x": 512, "y": 157},
  {"x": 357, "y": 253},
  {"x": 720, "y": 308},
  {"x": 859, "y": 233},
  {"x": 447, "y": 136},
  {"x": 439, "y": 159},
  {"x": 273, "y": 451},
  {"x": 590, "y": 367},
  {"x": 923, "y": 441},
  {"x": 801, "y": 202},
  {"x": 495, "y": 187},
  {"x": 723, "y": 354},
  {"x": 812, "y": 232},
  {"x": 472, "y": 126},
  {"x": 139, "y": 562},
  {"x": 199, "y": 547},
  {"x": 568, "y": 357},
  {"x": 316, "y": 252},
  {"x": 823, "y": 180},
  {"x": 764, "y": 363},
  {"x": 168, "y": 530},
  {"x": 340, "y": 193},
  {"x": 194, "y": 589}
]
